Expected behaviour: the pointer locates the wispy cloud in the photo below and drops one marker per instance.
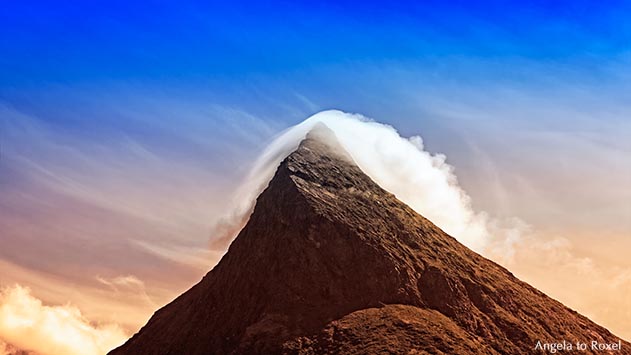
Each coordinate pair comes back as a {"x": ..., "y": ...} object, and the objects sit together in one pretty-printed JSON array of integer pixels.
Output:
[{"x": 128, "y": 284}]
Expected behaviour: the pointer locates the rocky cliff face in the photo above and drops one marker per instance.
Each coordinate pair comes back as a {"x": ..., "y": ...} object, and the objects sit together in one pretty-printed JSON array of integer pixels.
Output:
[{"x": 330, "y": 263}]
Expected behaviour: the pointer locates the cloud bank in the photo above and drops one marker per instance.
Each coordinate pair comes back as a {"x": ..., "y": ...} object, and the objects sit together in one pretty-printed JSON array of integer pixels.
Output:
[{"x": 28, "y": 324}]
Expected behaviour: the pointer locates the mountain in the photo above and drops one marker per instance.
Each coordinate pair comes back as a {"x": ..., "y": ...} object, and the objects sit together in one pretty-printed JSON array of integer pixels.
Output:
[{"x": 330, "y": 263}]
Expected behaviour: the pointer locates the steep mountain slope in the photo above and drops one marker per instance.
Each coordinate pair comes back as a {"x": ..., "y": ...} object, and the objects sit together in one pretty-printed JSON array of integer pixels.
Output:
[{"x": 330, "y": 263}]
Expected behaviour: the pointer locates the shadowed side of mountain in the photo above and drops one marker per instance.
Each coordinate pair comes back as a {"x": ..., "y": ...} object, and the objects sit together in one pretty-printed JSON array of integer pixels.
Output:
[{"x": 330, "y": 263}]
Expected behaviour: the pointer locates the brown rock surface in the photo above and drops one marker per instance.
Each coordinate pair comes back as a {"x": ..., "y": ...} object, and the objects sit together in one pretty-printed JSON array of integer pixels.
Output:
[{"x": 330, "y": 263}]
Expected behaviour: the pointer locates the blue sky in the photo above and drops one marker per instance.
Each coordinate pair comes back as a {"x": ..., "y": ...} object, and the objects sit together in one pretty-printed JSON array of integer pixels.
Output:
[
  {"x": 67, "y": 63},
  {"x": 336, "y": 54},
  {"x": 134, "y": 120}
]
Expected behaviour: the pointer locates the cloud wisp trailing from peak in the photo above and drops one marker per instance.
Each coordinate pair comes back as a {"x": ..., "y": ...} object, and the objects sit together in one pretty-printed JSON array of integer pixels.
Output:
[
  {"x": 26, "y": 323},
  {"x": 428, "y": 184},
  {"x": 424, "y": 181}
]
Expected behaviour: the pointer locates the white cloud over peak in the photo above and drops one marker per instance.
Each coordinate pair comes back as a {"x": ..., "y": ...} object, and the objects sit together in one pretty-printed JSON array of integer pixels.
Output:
[{"x": 424, "y": 181}]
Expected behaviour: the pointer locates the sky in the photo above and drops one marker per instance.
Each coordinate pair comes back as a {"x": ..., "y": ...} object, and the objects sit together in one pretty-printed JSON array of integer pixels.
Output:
[{"x": 128, "y": 128}]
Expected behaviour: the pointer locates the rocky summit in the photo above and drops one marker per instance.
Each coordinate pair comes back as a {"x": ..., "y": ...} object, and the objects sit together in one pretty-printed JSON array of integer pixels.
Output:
[{"x": 330, "y": 263}]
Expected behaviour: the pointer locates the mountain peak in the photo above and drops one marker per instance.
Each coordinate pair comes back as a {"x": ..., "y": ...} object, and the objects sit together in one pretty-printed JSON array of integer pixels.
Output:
[
  {"x": 331, "y": 263},
  {"x": 320, "y": 160}
]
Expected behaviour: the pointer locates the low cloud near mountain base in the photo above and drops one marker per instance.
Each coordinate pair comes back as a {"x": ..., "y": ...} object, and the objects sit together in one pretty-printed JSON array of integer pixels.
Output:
[{"x": 27, "y": 324}]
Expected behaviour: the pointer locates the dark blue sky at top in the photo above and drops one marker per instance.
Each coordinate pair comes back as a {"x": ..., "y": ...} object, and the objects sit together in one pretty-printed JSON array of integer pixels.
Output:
[{"x": 77, "y": 41}]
